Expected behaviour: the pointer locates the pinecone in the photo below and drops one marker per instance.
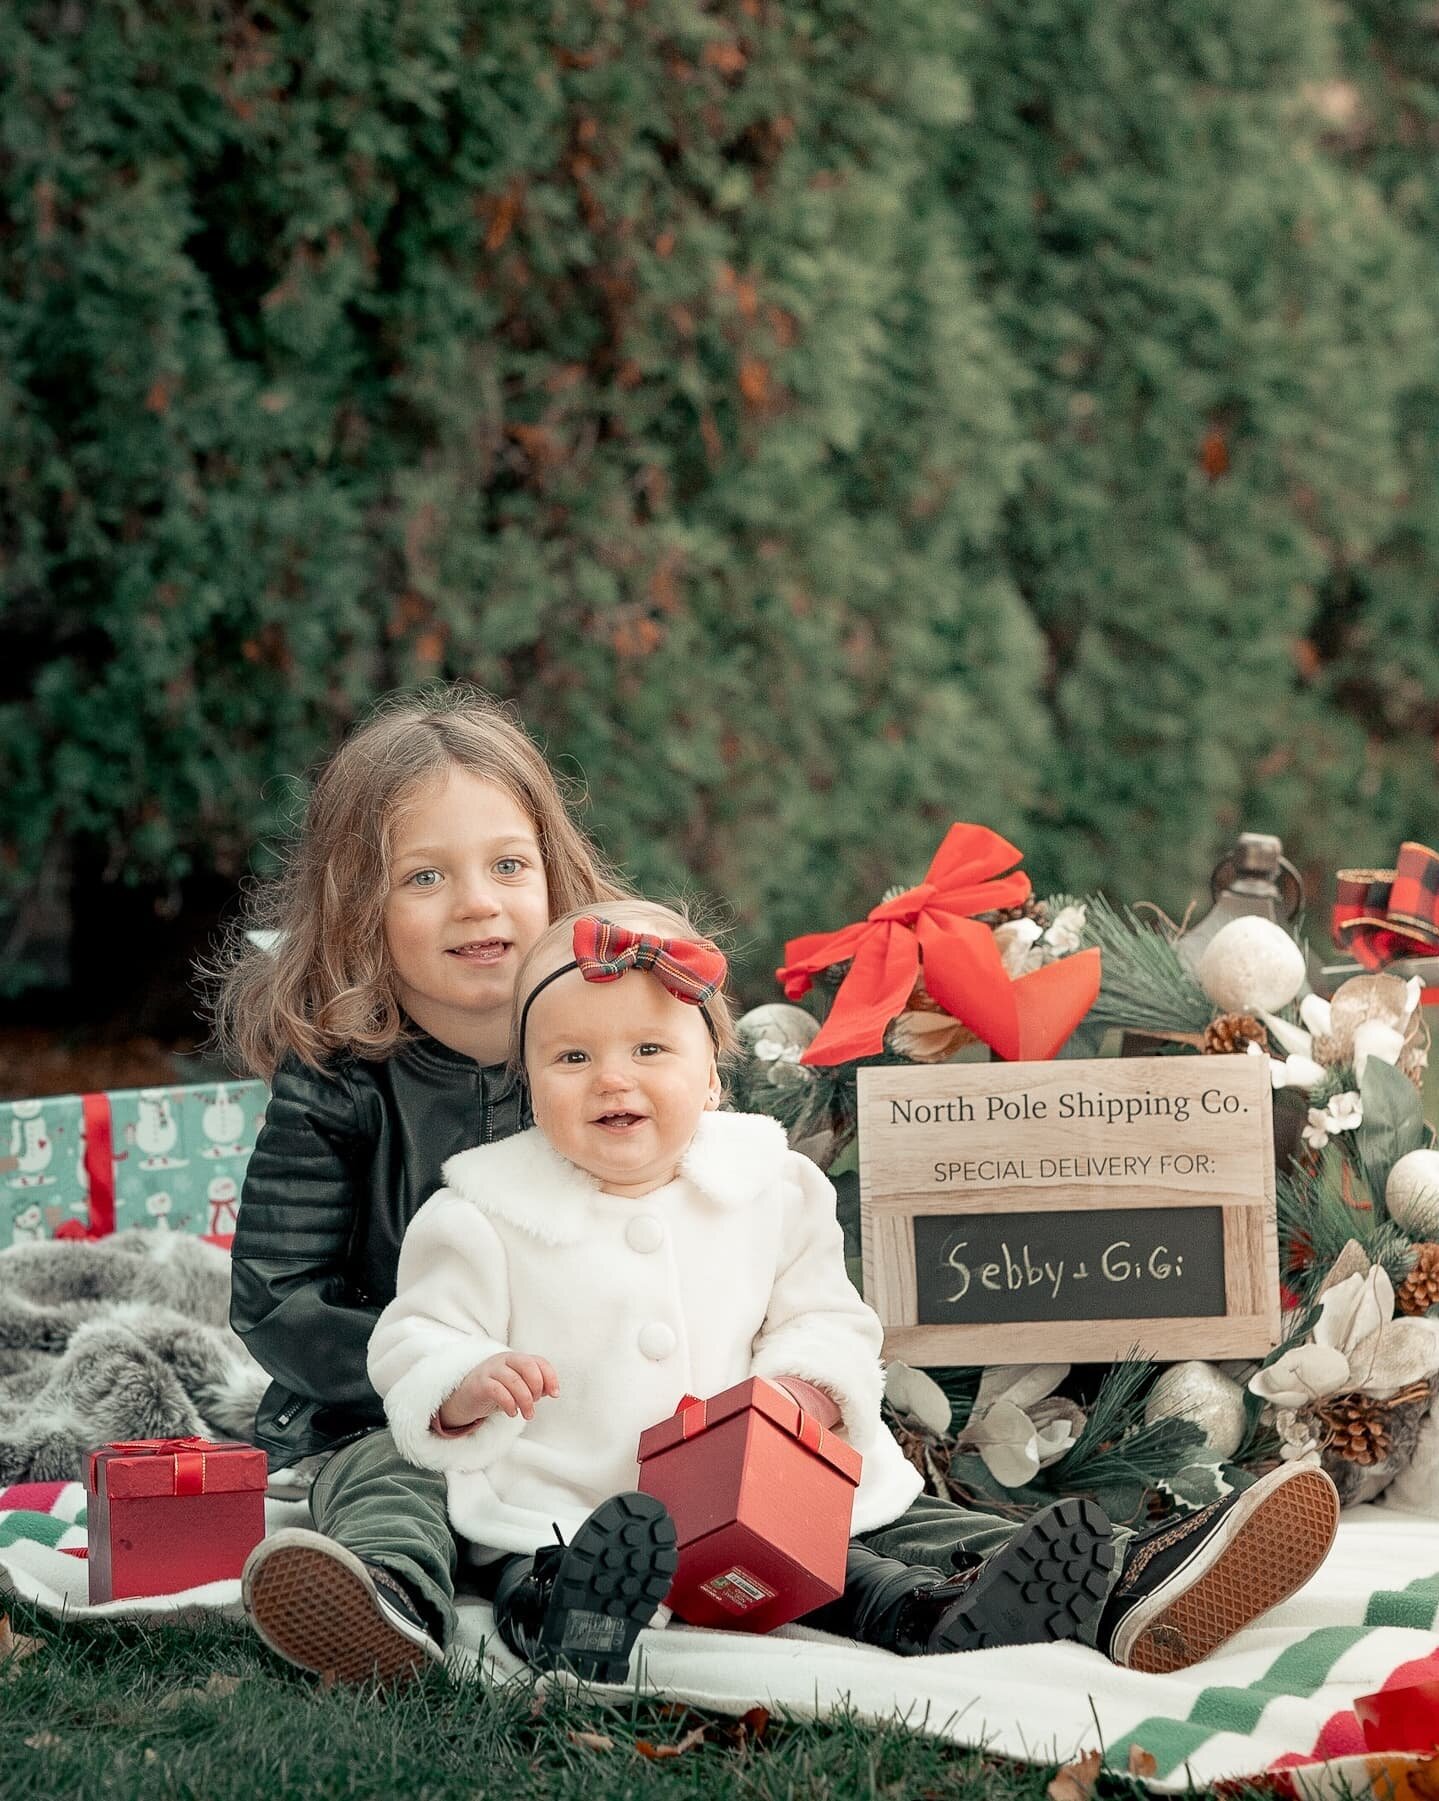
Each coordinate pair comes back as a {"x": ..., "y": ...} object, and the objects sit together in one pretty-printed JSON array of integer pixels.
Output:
[
  {"x": 1419, "y": 1291},
  {"x": 1232, "y": 1032},
  {"x": 1031, "y": 908},
  {"x": 1355, "y": 1427}
]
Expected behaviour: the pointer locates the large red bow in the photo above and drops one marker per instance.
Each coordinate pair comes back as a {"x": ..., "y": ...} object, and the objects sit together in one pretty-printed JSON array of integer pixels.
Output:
[
  {"x": 934, "y": 925},
  {"x": 692, "y": 969}
]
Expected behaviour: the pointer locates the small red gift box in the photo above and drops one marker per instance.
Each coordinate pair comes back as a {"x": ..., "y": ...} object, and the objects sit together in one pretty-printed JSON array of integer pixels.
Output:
[
  {"x": 761, "y": 1497},
  {"x": 171, "y": 1513}
]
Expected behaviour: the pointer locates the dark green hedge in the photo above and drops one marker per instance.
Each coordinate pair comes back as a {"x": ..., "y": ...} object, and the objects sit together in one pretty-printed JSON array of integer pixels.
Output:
[{"x": 825, "y": 419}]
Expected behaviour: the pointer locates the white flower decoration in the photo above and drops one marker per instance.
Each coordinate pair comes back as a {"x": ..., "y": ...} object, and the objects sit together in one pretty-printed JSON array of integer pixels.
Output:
[
  {"x": 1015, "y": 941},
  {"x": 1289, "y": 1072},
  {"x": 1066, "y": 933},
  {"x": 1344, "y": 1113},
  {"x": 1316, "y": 1132},
  {"x": 1375, "y": 1039}
]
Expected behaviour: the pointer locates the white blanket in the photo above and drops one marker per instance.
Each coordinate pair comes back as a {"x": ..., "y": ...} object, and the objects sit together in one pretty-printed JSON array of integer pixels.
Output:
[{"x": 1284, "y": 1689}]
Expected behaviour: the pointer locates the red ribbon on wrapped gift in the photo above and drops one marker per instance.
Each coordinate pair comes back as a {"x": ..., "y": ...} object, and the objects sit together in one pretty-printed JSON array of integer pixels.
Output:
[
  {"x": 933, "y": 927},
  {"x": 188, "y": 1455},
  {"x": 1381, "y": 915}
]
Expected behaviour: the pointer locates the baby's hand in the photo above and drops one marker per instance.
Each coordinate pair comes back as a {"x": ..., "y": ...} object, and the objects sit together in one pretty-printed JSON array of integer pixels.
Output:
[{"x": 510, "y": 1380}]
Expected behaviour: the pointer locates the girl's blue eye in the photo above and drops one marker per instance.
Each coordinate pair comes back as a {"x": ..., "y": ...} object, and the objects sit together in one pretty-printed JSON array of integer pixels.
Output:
[
  {"x": 417, "y": 880},
  {"x": 515, "y": 865}
]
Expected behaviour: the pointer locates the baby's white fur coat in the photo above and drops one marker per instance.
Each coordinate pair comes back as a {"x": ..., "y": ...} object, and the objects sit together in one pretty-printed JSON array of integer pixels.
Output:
[{"x": 735, "y": 1269}]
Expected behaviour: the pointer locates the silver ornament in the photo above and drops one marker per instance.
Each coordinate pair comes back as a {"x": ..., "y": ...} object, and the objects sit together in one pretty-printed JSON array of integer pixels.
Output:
[
  {"x": 1412, "y": 1194},
  {"x": 1252, "y": 966},
  {"x": 1205, "y": 1396},
  {"x": 777, "y": 1023}
]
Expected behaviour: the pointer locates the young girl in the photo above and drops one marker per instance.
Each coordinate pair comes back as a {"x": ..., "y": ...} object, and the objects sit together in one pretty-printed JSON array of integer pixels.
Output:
[
  {"x": 567, "y": 1288},
  {"x": 436, "y": 844}
]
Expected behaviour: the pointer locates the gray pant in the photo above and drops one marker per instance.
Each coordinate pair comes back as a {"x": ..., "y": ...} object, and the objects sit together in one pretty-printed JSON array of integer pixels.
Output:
[{"x": 385, "y": 1510}]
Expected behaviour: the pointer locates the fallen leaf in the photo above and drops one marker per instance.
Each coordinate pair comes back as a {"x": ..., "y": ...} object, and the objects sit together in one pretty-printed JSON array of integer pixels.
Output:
[
  {"x": 221, "y": 1684},
  {"x": 687, "y": 1743},
  {"x": 591, "y": 1741},
  {"x": 44, "y": 1741},
  {"x": 754, "y": 1724},
  {"x": 178, "y": 1697},
  {"x": 1142, "y": 1762},
  {"x": 15, "y": 1645},
  {"x": 1075, "y": 1781}
]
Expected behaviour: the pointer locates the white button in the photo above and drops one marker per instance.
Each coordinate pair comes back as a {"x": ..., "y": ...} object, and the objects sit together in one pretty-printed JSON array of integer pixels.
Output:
[
  {"x": 657, "y": 1341},
  {"x": 645, "y": 1233}
]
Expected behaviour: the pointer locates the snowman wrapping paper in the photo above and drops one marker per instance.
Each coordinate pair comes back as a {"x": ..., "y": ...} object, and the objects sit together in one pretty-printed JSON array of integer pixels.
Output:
[{"x": 174, "y": 1158}]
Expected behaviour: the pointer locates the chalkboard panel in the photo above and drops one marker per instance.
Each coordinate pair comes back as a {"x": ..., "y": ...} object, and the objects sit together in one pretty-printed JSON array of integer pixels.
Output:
[{"x": 1126, "y": 1263}]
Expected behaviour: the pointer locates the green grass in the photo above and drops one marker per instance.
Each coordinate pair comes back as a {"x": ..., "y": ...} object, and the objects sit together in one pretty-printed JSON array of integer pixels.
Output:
[{"x": 121, "y": 1711}]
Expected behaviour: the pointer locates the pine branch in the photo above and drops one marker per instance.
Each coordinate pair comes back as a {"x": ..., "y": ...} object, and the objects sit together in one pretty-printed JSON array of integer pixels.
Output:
[{"x": 1145, "y": 984}]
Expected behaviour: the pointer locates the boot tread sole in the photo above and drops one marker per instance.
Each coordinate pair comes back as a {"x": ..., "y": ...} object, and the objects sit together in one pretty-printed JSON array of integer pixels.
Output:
[{"x": 1012, "y": 1603}]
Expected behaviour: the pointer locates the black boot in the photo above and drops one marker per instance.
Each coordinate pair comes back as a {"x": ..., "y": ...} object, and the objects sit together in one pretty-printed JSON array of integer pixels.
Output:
[
  {"x": 581, "y": 1606},
  {"x": 1045, "y": 1583}
]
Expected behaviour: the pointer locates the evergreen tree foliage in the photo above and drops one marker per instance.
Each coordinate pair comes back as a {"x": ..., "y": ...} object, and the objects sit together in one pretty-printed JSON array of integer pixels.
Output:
[
  {"x": 608, "y": 355},
  {"x": 1375, "y": 667},
  {"x": 824, "y": 420},
  {"x": 1213, "y": 317}
]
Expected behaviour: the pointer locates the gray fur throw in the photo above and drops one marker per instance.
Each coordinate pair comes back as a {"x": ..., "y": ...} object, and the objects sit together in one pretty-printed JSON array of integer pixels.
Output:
[{"x": 122, "y": 1337}]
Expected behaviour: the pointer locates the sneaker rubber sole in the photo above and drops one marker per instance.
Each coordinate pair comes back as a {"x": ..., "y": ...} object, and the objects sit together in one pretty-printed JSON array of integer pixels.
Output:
[
  {"x": 316, "y": 1605},
  {"x": 1277, "y": 1535},
  {"x": 615, "y": 1572},
  {"x": 1045, "y": 1583}
]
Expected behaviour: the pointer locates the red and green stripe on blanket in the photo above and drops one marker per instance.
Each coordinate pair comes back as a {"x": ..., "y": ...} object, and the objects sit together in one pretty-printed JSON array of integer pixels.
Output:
[{"x": 1328, "y": 1759}]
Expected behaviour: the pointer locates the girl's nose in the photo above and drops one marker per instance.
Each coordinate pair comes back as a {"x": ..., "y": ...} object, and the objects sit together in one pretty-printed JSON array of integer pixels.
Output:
[{"x": 476, "y": 898}]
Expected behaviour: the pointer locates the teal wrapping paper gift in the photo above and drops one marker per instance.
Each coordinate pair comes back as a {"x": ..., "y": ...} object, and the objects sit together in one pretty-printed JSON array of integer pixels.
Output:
[{"x": 171, "y": 1159}]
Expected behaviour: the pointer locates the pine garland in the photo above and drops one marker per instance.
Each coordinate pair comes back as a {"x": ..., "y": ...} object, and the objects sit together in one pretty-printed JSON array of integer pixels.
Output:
[{"x": 1146, "y": 985}]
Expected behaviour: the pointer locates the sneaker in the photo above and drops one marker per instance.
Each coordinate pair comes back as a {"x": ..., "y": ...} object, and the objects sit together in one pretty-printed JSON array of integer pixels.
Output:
[
  {"x": 1188, "y": 1587},
  {"x": 1045, "y": 1583},
  {"x": 322, "y": 1608},
  {"x": 581, "y": 1606}
]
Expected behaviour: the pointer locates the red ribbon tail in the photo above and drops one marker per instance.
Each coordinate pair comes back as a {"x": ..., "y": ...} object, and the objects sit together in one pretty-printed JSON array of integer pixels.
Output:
[
  {"x": 880, "y": 980},
  {"x": 99, "y": 1163}
]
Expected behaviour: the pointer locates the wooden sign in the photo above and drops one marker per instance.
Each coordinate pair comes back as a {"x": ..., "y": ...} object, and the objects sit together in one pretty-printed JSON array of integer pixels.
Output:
[{"x": 1070, "y": 1211}]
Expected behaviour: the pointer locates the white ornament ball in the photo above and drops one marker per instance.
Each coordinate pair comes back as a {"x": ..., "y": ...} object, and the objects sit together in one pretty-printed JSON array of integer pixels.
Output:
[
  {"x": 778, "y": 1023},
  {"x": 1412, "y": 1194},
  {"x": 1204, "y": 1395},
  {"x": 1251, "y": 966}
]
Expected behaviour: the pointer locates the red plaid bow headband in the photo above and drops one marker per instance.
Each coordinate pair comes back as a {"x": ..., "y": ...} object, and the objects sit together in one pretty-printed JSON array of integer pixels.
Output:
[
  {"x": 1383, "y": 914},
  {"x": 692, "y": 969}
]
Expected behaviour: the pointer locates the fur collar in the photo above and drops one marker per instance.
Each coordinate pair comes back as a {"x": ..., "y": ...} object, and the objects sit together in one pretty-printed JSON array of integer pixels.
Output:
[{"x": 526, "y": 1183}]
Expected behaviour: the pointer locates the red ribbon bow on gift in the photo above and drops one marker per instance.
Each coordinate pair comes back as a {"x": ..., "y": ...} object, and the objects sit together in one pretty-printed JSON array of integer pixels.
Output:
[
  {"x": 1383, "y": 914},
  {"x": 692, "y": 969},
  {"x": 933, "y": 925},
  {"x": 188, "y": 1453}
]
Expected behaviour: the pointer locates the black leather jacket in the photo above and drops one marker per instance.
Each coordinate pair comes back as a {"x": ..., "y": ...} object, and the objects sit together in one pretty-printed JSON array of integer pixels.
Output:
[{"x": 345, "y": 1158}]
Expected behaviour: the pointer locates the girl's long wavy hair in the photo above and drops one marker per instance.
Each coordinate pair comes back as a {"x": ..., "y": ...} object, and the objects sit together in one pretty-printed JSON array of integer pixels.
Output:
[{"x": 320, "y": 982}]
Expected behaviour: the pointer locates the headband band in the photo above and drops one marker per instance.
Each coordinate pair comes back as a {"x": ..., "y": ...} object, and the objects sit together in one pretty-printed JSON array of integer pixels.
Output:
[{"x": 692, "y": 970}]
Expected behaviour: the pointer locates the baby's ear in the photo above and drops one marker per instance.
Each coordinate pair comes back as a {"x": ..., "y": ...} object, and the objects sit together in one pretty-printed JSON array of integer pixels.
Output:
[{"x": 716, "y": 1089}]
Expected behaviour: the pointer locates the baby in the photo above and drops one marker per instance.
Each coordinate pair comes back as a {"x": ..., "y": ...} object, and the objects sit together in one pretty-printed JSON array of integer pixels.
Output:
[
  {"x": 567, "y": 1287},
  {"x": 573, "y": 1283}
]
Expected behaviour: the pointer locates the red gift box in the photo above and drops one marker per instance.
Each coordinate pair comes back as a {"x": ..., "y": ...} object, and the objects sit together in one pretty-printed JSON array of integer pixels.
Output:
[
  {"x": 761, "y": 1497},
  {"x": 171, "y": 1513}
]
